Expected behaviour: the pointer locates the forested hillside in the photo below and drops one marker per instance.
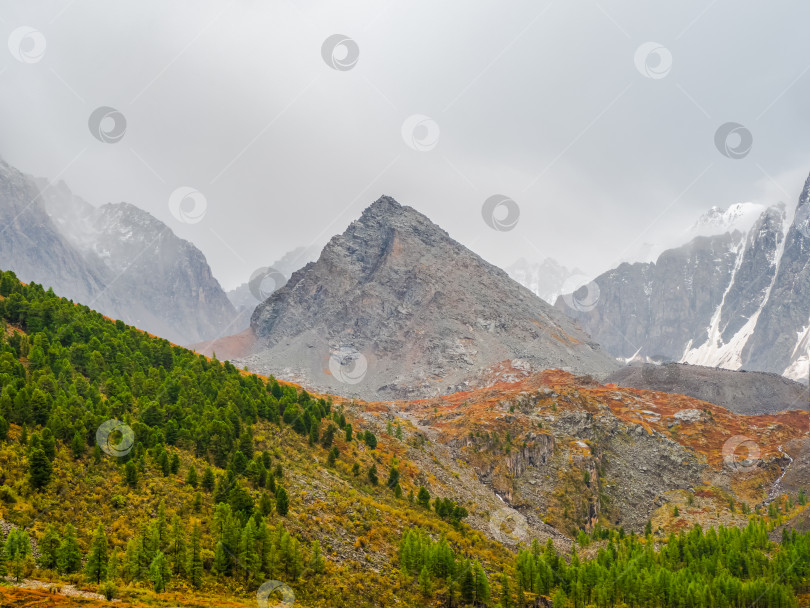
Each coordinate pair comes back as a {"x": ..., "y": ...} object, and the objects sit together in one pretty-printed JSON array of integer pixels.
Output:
[{"x": 140, "y": 470}]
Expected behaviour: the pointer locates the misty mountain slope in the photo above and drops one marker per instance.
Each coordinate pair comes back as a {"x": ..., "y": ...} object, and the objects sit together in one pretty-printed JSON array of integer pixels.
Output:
[
  {"x": 546, "y": 279},
  {"x": 117, "y": 258},
  {"x": 744, "y": 302},
  {"x": 32, "y": 246},
  {"x": 394, "y": 307},
  {"x": 654, "y": 309},
  {"x": 747, "y": 393}
]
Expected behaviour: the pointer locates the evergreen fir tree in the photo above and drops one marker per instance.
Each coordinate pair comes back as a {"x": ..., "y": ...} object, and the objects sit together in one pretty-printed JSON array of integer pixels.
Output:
[
  {"x": 159, "y": 572},
  {"x": 162, "y": 526},
  {"x": 97, "y": 559},
  {"x": 425, "y": 582},
  {"x": 131, "y": 473},
  {"x": 208, "y": 479},
  {"x": 423, "y": 497},
  {"x": 39, "y": 469},
  {"x": 393, "y": 478},
  {"x": 177, "y": 547},
  {"x": 316, "y": 562},
  {"x": 282, "y": 501},
  {"x": 49, "y": 548},
  {"x": 195, "y": 566},
  {"x": 191, "y": 478},
  {"x": 69, "y": 558},
  {"x": 266, "y": 504}
]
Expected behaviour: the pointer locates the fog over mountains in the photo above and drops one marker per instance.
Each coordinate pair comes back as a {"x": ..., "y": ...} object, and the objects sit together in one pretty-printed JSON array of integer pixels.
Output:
[
  {"x": 734, "y": 296},
  {"x": 118, "y": 259}
]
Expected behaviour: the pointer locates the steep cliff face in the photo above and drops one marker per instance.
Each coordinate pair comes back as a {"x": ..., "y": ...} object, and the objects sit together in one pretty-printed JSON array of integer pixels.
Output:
[
  {"x": 117, "y": 258},
  {"x": 655, "y": 309},
  {"x": 396, "y": 308},
  {"x": 780, "y": 340},
  {"x": 739, "y": 300}
]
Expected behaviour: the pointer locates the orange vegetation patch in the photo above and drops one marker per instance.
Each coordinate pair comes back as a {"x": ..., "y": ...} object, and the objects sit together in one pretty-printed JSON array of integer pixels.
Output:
[
  {"x": 229, "y": 347},
  {"x": 704, "y": 427}
]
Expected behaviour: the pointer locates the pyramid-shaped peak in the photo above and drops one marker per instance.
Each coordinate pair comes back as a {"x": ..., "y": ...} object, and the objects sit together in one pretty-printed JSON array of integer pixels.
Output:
[
  {"x": 426, "y": 312},
  {"x": 386, "y": 213},
  {"x": 384, "y": 204}
]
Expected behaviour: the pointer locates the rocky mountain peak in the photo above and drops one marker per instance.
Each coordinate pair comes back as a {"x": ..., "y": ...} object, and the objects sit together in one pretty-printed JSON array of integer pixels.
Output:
[
  {"x": 386, "y": 215},
  {"x": 412, "y": 313}
]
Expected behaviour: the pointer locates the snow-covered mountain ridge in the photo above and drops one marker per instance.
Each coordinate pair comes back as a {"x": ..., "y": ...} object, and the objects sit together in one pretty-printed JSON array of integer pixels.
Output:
[{"x": 736, "y": 296}]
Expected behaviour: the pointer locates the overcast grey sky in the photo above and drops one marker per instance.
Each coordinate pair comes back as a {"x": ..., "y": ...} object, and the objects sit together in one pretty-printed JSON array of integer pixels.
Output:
[{"x": 602, "y": 142}]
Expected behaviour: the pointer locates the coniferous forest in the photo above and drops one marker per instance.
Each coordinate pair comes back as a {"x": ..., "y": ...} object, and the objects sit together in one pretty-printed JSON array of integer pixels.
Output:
[{"x": 140, "y": 470}]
